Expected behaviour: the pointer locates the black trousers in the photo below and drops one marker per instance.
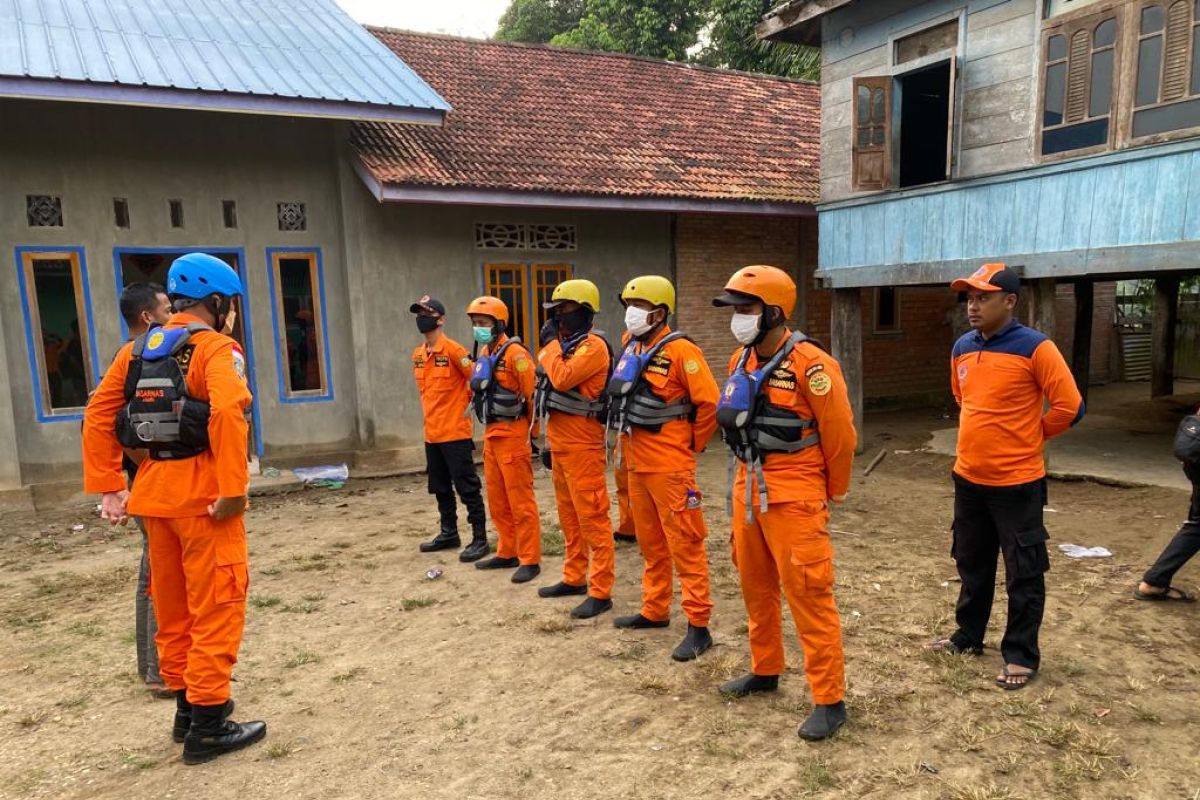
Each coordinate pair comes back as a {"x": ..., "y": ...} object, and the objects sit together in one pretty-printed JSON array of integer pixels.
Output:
[
  {"x": 1007, "y": 520},
  {"x": 1185, "y": 544},
  {"x": 451, "y": 468}
]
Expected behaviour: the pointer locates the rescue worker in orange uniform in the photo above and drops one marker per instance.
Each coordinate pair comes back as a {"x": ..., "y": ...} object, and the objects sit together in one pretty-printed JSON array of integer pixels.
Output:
[
  {"x": 575, "y": 369},
  {"x": 785, "y": 412},
  {"x": 180, "y": 391},
  {"x": 442, "y": 370},
  {"x": 664, "y": 410},
  {"x": 1016, "y": 392},
  {"x": 502, "y": 385}
]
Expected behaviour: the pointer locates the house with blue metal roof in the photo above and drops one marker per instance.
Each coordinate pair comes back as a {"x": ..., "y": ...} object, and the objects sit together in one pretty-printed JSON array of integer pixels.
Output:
[{"x": 1059, "y": 136}]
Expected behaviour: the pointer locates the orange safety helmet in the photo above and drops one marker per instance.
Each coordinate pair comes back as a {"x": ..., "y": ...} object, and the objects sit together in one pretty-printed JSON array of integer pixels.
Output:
[
  {"x": 771, "y": 285},
  {"x": 489, "y": 306}
]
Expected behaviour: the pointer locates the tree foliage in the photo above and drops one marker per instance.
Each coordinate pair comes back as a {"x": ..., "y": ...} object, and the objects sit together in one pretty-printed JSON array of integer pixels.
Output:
[{"x": 718, "y": 33}]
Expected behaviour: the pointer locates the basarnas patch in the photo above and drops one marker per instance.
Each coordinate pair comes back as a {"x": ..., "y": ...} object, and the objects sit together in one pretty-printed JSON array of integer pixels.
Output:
[
  {"x": 659, "y": 365},
  {"x": 820, "y": 384}
]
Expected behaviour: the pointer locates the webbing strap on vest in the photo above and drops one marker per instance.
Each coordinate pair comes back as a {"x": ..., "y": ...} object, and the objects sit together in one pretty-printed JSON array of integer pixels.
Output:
[
  {"x": 546, "y": 398},
  {"x": 755, "y": 439},
  {"x": 161, "y": 428},
  {"x": 638, "y": 405},
  {"x": 497, "y": 402}
]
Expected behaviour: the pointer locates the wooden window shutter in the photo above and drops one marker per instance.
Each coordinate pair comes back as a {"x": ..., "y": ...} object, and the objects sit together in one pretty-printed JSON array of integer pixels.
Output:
[
  {"x": 872, "y": 152},
  {"x": 1078, "y": 81},
  {"x": 1177, "y": 51}
]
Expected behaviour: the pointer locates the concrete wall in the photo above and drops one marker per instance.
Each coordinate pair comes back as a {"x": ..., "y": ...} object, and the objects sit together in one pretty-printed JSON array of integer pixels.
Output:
[
  {"x": 90, "y": 154},
  {"x": 996, "y": 92},
  {"x": 398, "y": 252}
]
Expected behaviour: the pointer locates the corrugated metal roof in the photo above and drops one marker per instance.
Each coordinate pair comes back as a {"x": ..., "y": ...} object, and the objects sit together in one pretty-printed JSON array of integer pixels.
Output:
[{"x": 308, "y": 50}]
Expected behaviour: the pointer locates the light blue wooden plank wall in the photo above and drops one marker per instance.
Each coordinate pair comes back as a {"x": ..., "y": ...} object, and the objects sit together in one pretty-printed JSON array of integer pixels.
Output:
[{"x": 1155, "y": 200}]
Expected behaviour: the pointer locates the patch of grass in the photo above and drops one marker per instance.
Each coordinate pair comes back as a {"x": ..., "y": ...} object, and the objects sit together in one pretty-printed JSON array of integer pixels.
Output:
[
  {"x": 956, "y": 672},
  {"x": 271, "y": 571},
  {"x": 301, "y": 658},
  {"x": 461, "y": 721},
  {"x": 553, "y": 543},
  {"x": 1072, "y": 668},
  {"x": 349, "y": 675},
  {"x": 264, "y": 601},
  {"x": 1144, "y": 714},
  {"x": 719, "y": 667},
  {"x": 74, "y": 702},
  {"x": 314, "y": 597},
  {"x": 815, "y": 776},
  {"x": 31, "y": 720},
  {"x": 651, "y": 683},
  {"x": 716, "y": 750},
  {"x": 553, "y": 625},
  {"x": 989, "y": 791},
  {"x": 305, "y": 607},
  {"x": 279, "y": 749},
  {"x": 342, "y": 545},
  {"x": 44, "y": 587},
  {"x": 626, "y": 651},
  {"x": 138, "y": 761},
  {"x": 89, "y": 629},
  {"x": 28, "y": 621},
  {"x": 413, "y": 603},
  {"x": 1056, "y": 733},
  {"x": 525, "y": 773}
]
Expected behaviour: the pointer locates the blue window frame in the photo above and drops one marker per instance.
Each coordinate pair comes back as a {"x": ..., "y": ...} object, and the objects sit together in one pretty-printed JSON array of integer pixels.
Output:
[
  {"x": 56, "y": 301},
  {"x": 237, "y": 255},
  {"x": 296, "y": 279}
]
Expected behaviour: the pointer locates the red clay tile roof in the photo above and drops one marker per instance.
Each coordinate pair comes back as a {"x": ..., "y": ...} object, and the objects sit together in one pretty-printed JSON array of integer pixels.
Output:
[{"x": 542, "y": 119}]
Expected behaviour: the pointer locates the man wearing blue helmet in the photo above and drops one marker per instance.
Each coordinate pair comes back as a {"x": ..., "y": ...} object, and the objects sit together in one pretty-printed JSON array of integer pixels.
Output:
[{"x": 180, "y": 392}]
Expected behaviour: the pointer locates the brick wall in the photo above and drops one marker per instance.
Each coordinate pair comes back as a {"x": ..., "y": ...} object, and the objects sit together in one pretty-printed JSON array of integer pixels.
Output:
[
  {"x": 1104, "y": 300},
  {"x": 911, "y": 363}
]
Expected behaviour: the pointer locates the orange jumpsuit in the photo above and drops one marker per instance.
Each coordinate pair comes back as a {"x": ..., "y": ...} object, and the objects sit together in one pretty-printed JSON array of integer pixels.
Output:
[
  {"x": 508, "y": 465},
  {"x": 662, "y": 483},
  {"x": 577, "y": 445},
  {"x": 789, "y": 544},
  {"x": 198, "y": 566}
]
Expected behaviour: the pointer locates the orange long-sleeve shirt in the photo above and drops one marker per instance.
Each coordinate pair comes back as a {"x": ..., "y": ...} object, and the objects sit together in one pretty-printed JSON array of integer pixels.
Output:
[
  {"x": 514, "y": 372},
  {"x": 1001, "y": 384},
  {"x": 676, "y": 372},
  {"x": 443, "y": 374},
  {"x": 585, "y": 370},
  {"x": 186, "y": 487},
  {"x": 808, "y": 383}
]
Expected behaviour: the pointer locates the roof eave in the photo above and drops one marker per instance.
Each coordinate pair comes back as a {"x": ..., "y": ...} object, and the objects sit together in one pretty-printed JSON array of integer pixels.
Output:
[
  {"x": 199, "y": 100},
  {"x": 442, "y": 195},
  {"x": 797, "y": 21}
]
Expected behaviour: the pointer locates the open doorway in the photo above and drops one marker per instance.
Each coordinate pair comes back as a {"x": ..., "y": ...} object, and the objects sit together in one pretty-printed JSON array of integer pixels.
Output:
[
  {"x": 924, "y": 101},
  {"x": 143, "y": 264}
]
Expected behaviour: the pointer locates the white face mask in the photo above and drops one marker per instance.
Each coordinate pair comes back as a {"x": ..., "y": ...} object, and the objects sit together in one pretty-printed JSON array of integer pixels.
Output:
[
  {"x": 745, "y": 327},
  {"x": 637, "y": 320}
]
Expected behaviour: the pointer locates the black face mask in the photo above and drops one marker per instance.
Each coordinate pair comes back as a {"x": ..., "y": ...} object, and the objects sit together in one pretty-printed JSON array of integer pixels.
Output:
[
  {"x": 574, "y": 323},
  {"x": 427, "y": 324}
]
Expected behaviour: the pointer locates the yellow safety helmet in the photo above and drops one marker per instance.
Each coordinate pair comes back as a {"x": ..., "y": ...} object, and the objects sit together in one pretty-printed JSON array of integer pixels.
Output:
[
  {"x": 492, "y": 307},
  {"x": 770, "y": 285},
  {"x": 576, "y": 290},
  {"x": 654, "y": 289}
]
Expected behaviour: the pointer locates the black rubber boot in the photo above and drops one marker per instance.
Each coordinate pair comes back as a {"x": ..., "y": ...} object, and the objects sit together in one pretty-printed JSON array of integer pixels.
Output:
[
  {"x": 750, "y": 684},
  {"x": 526, "y": 572},
  {"x": 592, "y": 607},
  {"x": 622, "y": 536},
  {"x": 562, "y": 589},
  {"x": 823, "y": 722},
  {"x": 212, "y": 734},
  {"x": 475, "y": 551},
  {"x": 638, "y": 622},
  {"x": 496, "y": 562},
  {"x": 446, "y": 540},
  {"x": 183, "y": 715},
  {"x": 693, "y": 645}
]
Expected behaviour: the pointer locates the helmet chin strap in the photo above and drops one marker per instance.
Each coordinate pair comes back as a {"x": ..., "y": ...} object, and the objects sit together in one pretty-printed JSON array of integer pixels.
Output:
[{"x": 765, "y": 326}]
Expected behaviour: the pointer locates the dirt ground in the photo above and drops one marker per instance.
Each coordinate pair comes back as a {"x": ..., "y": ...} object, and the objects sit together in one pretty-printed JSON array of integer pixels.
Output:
[{"x": 377, "y": 682}]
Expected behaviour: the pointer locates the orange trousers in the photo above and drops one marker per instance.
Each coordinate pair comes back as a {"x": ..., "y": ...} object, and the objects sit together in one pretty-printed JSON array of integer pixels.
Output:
[
  {"x": 625, "y": 519},
  {"x": 581, "y": 493},
  {"x": 789, "y": 546},
  {"x": 508, "y": 473},
  {"x": 670, "y": 533},
  {"x": 199, "y": 577}
]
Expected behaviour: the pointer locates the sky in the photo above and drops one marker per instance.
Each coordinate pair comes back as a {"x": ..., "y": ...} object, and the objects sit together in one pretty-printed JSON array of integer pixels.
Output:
[{"x": 461, "y": 17}]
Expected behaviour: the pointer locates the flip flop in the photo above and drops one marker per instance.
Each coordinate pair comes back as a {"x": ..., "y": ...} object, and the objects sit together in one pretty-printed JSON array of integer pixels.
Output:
[
  {"x": 947, "y": 645},
  {"x": 1003, "y": 683},
  {"x": 1168, "y": 595}
]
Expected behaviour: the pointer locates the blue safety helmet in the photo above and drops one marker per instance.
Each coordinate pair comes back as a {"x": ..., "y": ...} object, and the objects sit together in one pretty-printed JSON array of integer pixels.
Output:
[{"x": 199, "y": 275}]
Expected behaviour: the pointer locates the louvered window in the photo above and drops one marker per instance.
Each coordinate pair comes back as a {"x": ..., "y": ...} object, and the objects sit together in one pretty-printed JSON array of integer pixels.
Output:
[
  {"x": 1078, "y": 84},
  {"x": 1166, "y": 96}
]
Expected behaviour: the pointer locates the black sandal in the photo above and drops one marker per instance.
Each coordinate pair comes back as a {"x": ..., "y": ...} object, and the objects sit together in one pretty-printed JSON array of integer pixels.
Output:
[
  {"x": 1170, "y": 594},
  {"x": 1002, "y": 680}
]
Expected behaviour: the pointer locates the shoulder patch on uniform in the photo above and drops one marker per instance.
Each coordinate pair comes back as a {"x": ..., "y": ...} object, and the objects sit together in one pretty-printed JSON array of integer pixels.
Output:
[
  {"x": 820, "y": 384},
  {"x": 239, "y": 362},
  {"x": 691, "y": 366},
  {"x": 522, "y": 365},
  {"x": 465, "y": 361},
  {"x": 582, "y": 349},
  {"x": 155, "y": 340},
  {"x": 813, "y": 370}
]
